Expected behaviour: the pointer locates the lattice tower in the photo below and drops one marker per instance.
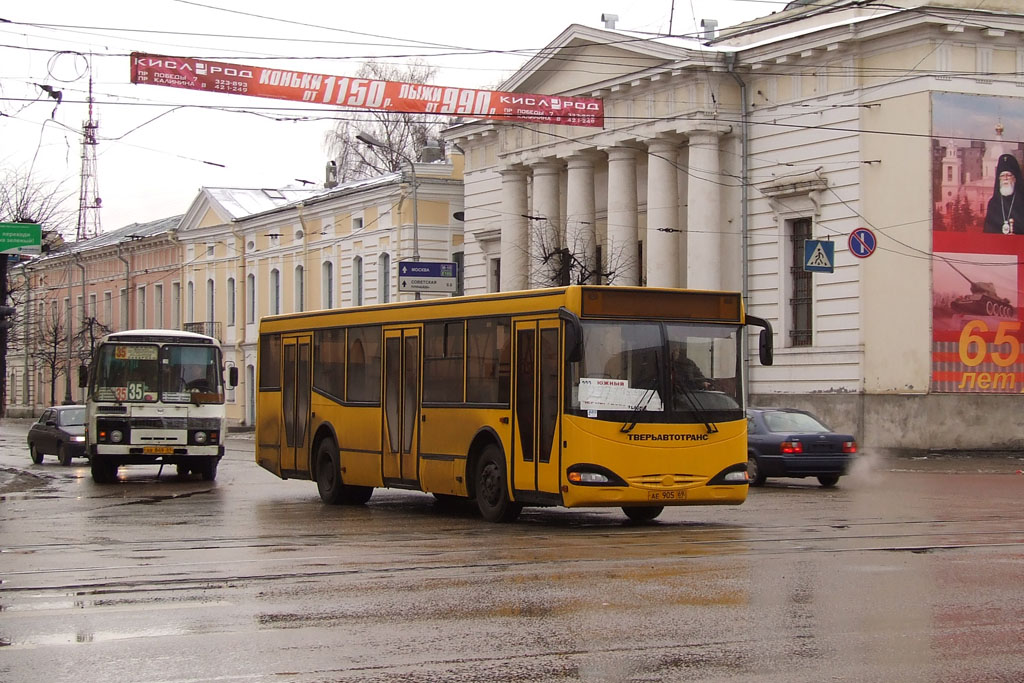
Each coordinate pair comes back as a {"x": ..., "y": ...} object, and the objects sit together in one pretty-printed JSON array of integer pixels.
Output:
[{"x": 89, "y": 201}]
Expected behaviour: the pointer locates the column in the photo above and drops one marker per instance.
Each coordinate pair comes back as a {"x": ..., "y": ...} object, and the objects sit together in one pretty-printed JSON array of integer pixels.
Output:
[
  {"x": 514, "y": 230},
  {"x": 662, "y": 244},
  {"x": 704, "y": 213},
  {"x": 580, "y": 221},
  {"x": 545, "y": 226},
  {"x": 622, "y": 254}
]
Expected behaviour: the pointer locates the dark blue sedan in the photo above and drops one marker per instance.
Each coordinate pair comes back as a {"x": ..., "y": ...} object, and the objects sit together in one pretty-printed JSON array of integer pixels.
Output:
[{"x": 782, "y": 442}]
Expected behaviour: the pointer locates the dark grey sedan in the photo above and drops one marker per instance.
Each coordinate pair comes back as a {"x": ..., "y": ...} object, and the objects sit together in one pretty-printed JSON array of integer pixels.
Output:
[
  {"x": 782, "y": 442},
  {"x": 60, "y": 431}
]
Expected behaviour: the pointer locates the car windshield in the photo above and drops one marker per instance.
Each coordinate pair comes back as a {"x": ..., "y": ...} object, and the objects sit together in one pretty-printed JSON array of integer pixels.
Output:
[
  {"x": 782, "y": 421},
  {"x": 74, "y": 416}
]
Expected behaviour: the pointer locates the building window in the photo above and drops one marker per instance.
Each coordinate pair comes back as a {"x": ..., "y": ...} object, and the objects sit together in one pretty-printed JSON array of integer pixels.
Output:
[
  {"x": 384, "y": 278},
  {"x": 357, "y": 223},
  {"x": 108, "y": 309},
  {"x": 460, "y": 277},
  {"x": 357, "y": 281},
  {"x": 140, "y": 307},
  {"x": 494, "y": 268},
  {"x": 327, "y": 284},
  {"x": 176, "y": 305},
  {"x": 158, "y": 305},
  {"x": 275, "y": 291},
  {"x": 300, "y": 288},
  {"x": 231, "y": 302},
  {"x": 250, "y": 298},
  {"x": 92, "y": 306},
  {"x": 801, "y": 299},
  {"x": 210, "y": 301}
]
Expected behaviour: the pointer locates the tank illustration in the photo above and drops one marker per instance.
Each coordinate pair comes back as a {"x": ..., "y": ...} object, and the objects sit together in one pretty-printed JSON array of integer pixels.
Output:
[{"x": 983, "y": 300}]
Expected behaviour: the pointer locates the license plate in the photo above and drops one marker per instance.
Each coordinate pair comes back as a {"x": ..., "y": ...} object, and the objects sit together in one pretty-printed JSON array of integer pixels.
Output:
[
  {"x": 158, "y": 450},
  {"x": 666, "y": 495}
]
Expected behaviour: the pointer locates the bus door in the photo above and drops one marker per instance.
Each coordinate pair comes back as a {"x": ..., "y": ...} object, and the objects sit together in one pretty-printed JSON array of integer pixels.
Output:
[
  {"x": 535, "y": 462},
  {"x": 401, "y": 400},
  {"x": 295, "y": 395}
]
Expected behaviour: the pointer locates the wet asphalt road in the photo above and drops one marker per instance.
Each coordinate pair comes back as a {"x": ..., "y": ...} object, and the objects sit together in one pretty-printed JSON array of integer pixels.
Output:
[{"x": 908, "y": 571}]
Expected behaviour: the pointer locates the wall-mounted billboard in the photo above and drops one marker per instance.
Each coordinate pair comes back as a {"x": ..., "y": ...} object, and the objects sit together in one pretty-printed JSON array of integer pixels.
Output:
[{"x": 977, "y": 243}]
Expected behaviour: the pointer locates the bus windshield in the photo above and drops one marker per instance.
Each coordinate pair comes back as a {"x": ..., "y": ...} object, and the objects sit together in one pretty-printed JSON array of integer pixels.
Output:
[
  {"x": 657, "y": 372},
  {"x": 148, "y": 373}
]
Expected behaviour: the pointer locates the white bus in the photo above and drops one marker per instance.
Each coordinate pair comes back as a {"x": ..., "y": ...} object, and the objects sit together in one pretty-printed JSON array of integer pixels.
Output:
[{"x": 155, "y": 397}]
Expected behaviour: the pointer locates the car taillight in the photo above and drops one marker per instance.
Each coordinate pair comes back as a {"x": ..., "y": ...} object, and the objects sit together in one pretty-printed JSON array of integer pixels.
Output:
[
  {"x": 849, "y": 447},
  {"x": 791, "y": 447}
]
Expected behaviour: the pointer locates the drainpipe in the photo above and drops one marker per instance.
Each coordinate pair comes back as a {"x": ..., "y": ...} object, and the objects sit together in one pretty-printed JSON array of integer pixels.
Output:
[
  {"x": 240, "y": 327},
  {"x": 127, "y": 288},
  {"x": 172, "y": 235},
  {"x": 305, "y": 254},
  {"x": 730, "y": 61}
]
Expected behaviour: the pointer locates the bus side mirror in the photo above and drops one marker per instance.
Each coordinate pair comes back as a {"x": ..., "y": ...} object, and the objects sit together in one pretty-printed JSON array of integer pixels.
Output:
[
  {"x": 83, "y": 376},
  {"x": 765, "y": 344},
  {"x": 573, "y": 336},
  {"x": 765, "y": 350},
  {"x": 233, "y": 376}
]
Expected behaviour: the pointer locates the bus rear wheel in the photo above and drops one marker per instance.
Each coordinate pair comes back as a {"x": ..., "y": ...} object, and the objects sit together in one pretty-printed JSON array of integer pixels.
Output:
[
  {"x": 492, "y": 488},
  {"x": 643, "y": 514}
]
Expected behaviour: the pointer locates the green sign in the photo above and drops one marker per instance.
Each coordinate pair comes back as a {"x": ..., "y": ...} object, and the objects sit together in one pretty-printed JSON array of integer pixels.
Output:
[{"x": 20, "y": 238}]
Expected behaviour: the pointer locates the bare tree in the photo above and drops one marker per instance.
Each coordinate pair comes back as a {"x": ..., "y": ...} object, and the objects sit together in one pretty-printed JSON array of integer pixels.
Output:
[
  {"x": 24, "y": 200},
  {"x": 556, "y": 259},
  {"x": 50, "y": 350},
  {"x": 403, "y": 134}
]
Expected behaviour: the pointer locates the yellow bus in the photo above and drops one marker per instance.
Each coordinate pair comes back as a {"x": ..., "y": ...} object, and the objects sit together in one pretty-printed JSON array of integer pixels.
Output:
[{"x": 575, "y": 396}]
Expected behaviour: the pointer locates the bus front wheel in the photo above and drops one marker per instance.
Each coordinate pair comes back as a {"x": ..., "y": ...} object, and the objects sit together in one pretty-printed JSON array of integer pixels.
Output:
[
  {"x": 642, "y": 514},
  {"x": 492, "y": 488},
  {"x": 103, "y": 471},
  {"x": 328, "y": 473}
]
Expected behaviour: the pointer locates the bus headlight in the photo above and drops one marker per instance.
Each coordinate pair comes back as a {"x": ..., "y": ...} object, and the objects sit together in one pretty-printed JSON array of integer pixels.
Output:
[
  {"x": 200, "y": 437},
  {"x": 116, "y": 436},
  {"x": 736, "y": 477},
  {"x": 588, "y": 478}
]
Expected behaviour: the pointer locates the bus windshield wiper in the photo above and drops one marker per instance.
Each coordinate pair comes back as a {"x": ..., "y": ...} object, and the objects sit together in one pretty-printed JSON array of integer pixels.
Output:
[
  {"x": 642, "y": 404},
  {"x": 698, "y": 407}
]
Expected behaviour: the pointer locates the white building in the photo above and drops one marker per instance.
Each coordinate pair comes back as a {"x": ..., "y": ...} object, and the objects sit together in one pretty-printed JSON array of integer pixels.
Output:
[{"x": 718, "y": 160}]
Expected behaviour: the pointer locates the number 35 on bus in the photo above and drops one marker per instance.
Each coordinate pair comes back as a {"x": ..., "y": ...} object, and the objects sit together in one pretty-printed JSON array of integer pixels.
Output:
[{"x": 580, "y": 396}]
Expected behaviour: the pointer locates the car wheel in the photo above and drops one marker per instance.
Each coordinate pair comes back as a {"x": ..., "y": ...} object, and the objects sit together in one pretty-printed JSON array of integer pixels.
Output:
[
  {"x": 828, "y": 480},
  {"x": 492, "y": 488},
  {"x": 103, "y": 471},
  {"x": 754, "y": 471},
  {"x": 34, "y": 453},
  {"x": 64, "y": 455},
  {"x": 642, "y": 514}
]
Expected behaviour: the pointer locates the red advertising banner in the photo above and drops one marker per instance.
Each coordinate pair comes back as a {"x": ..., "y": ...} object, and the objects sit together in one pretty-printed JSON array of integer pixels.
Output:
[
  {"x": 977, "y": 244},
  {"x": 363, "y": 93}
]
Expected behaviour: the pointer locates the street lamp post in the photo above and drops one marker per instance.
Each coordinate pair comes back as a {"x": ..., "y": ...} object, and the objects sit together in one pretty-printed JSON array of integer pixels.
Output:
[{"x": 368, "y": 139}]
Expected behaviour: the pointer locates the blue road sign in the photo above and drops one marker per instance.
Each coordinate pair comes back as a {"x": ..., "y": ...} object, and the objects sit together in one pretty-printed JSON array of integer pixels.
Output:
[
  {"x": 862, "y": 243},
  {"x": 427, "y": 276},
  {"x": 819, "y": 256}
]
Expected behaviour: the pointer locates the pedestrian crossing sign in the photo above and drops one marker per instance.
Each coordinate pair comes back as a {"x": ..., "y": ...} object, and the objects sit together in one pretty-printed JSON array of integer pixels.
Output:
[{"x": 819, "y": 256}]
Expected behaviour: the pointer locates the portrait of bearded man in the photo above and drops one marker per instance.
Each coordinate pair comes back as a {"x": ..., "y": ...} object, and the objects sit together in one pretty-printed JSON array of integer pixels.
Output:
[{"x": 1005, "y": 213}]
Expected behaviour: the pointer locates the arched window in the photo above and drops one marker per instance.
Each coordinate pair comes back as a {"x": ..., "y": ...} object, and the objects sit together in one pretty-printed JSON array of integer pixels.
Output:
[
  {"x": 231, "y": 301},
  {"x": 384, "y": 278},
  {"x": 357, "y": 281},
  {"x": 300, "y": 288},
  {"x": 327, "y": 284},
  {"x": 210, "y": 301},
  {"x": 250, "y": 298},
  {"x": 275, "y": 291}
]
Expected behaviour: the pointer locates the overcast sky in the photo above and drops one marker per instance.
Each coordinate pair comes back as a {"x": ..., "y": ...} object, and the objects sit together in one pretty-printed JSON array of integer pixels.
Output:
[{"x": 158, "y": 146}]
